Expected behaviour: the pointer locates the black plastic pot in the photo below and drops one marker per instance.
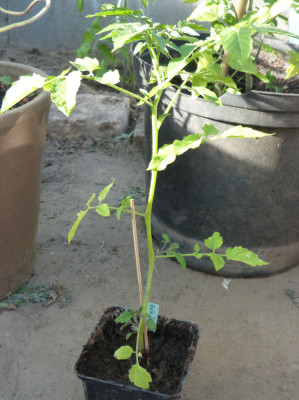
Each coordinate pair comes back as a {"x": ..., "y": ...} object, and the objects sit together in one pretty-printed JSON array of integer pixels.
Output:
[
  {"x": 246, "y": 189},
  {"x": 96, "y": 388}
]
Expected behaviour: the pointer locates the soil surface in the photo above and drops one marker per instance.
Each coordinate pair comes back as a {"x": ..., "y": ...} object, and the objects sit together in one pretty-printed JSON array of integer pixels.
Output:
[{"x": 249, "y": 344}]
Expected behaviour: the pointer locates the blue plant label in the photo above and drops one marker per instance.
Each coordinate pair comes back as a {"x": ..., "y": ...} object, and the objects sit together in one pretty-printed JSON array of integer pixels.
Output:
[{"x": 153, "y": 312}]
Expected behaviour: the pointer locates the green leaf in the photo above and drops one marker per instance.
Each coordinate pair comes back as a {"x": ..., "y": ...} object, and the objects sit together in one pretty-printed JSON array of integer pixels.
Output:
[
  {"x": 139, "y": 376},
  {"x": 181, "y": 260},
  {"x": 124, "y": 317},
  {"x": 293, "y": 68},
  {"x": 241, "y": 254},
  {"x": 124, "y": 352},
  {"x": 83, "y": 50},
  {"x": 86, "y": 64},
  {"x": 168, "y": 153},
  {"x": 207, "y": 11},
  {"x": 80, "y": 4},
  {"x": 72, "y": 232},
  {"x": 110, "y": 77},
  {"x": 20, "y": 89},
  {"x": 214, "y": 242},
  {"x": 242, "y": 132},
  {"x": 238, "y": 42},
  {"x": 196, "y": 248},
  {"x": 197, "y": 255},
  {"x": 104, "y": 210},
  {"x": 150, "y": 324},
  {"x": 209, "y": 95},
  {"x": 165, "y": 238},
  {"x": 177, "y": 64},
  {"x": 63, "y": 91},
  {"x": 104, "y": 192},
  {"x": 5, "y": 80},
  {"x": 243, "y": 65},
  {"x": 218, "y": 261},
  {"x": 209, "y": 130}
]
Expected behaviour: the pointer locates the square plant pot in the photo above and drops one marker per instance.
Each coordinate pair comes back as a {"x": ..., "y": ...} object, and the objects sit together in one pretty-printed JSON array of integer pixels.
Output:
[{"x": 172, "y": 349}]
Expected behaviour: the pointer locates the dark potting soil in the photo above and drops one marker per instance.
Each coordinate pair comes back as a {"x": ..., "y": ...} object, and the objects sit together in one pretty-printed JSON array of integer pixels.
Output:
[
  {"x": 3, "y": 89},
  {"x": 172, "y": 346}
]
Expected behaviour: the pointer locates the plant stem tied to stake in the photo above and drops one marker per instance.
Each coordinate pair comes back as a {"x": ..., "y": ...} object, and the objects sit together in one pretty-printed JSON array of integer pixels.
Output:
[{"x": 139, "y": 278}]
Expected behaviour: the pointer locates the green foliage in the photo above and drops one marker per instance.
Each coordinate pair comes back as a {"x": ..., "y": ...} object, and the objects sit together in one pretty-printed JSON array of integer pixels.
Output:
[
  {"x": 139, "y": 376},
  {"x": 214, "y": 242},
  {"x": 230, "y": 43},
  {"x": 5, "y": 80},
  {"x": 124, "y": 352}
]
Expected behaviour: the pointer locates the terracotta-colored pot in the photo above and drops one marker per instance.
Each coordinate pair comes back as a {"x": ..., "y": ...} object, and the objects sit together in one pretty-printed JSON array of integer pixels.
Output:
[{"x": 22, "y": 137}]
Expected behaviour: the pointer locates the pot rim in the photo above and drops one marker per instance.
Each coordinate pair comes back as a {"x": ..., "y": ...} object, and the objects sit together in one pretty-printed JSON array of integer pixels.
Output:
[{"x": 42, "y": 96}]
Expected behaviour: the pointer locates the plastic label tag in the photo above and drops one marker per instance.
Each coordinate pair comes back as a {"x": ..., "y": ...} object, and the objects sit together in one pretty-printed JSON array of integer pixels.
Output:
[{"x": 153, "y": 311}]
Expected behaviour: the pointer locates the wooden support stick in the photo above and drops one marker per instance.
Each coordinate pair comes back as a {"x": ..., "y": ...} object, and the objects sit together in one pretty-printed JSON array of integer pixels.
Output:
[{"x": 139, "y": 278}]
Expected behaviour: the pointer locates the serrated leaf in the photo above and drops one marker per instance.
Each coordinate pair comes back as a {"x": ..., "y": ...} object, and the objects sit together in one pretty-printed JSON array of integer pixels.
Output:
[
  {"x": 86, "y": 64},
  {"x": 218, "y": 261},
  {"x": 168, "y": 153},
  {"x": 139, "y": 376},
  {"x": 124, "y": 317},
  {"x": 242, "y": 132},
  {"x": 20, "y": 89},
  {"x": 242, "y": 254},
  {"x": 103, "y": 210},
  {"x": 124, "y": 352},
  {"x": 104, "y": 192},
  {"x": 214, "y": 242},
  {"x": 63, "y": 91},
  {"x": 80, "y": 216},
  {"x": 181, "y": 260},
  {"x": 110, "y": 77}
]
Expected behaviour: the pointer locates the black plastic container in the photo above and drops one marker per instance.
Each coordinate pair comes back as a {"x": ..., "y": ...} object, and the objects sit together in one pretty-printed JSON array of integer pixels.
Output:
[
  {"x": 101, "y": 389},
  {"x": 245, "y": 189}
]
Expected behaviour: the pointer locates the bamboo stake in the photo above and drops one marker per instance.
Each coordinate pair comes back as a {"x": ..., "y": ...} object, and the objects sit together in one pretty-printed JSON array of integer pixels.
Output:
[{"x": 137, "y": 258}]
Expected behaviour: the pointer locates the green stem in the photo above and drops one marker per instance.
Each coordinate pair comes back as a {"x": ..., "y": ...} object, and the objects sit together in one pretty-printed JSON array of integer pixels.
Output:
[
  {"x": 125, "y": 211},
  {"x": 188, "y": 255},
  {"x": 120, "y": 89},
  {"x": 147, "y": 218}
]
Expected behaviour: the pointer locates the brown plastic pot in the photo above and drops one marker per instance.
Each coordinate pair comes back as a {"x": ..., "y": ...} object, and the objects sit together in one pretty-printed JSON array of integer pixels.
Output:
[{"x": 22, "y": 137}]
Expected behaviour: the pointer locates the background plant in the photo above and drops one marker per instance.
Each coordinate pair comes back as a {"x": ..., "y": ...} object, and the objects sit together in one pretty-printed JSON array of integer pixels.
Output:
[
  {"x": 94, "y": 46},
  {"x": 158, "y": 39},
  {"x": 236, "y": 29}
]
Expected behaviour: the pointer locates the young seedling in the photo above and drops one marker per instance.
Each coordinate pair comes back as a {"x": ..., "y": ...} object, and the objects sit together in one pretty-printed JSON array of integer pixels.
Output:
[{"x": 157, "y": 39}]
